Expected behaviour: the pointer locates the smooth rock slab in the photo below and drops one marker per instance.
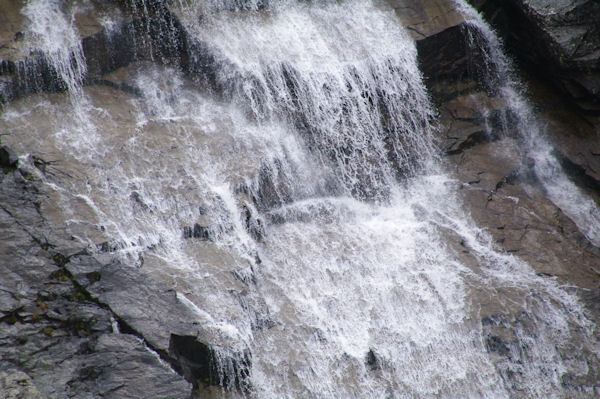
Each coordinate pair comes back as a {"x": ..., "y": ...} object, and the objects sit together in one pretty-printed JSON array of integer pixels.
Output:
[{"x": 122, "y": 367}]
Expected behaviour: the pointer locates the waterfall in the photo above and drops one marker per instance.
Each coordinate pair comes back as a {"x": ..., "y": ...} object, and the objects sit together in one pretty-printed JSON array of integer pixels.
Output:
[
  {"x": 54, "y": 35},
  {"x": 317, "y": 78},
  {"x": 500, "y": 77},
  {"x": 294, "y": 199}
]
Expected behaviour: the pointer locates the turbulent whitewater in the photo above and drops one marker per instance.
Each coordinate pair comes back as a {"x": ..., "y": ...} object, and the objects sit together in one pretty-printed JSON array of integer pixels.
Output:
[{"x": 294, "y": 199}]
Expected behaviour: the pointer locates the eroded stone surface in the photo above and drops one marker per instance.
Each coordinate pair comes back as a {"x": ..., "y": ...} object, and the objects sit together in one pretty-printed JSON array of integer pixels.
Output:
[
  {"x": 426, "y": 18},
  {"x": 559, "y": 40},
  {"x": 59, "y": 305}
]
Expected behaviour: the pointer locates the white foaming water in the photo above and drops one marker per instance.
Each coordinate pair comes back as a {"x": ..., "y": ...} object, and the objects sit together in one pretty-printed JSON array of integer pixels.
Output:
[
  {"x": 564, "y": 193},
  {"x": 335, "y": 296},
  {"x": 369, "y": 280},
  {"x": 303, "y": 64},
  {"x": 54, "y": 34}
]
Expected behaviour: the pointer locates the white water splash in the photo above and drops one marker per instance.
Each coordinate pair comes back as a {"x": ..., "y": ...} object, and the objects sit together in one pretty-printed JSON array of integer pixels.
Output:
[
  {"x": 54, "y": 34},
  {"x": 564, "y": 193},
  {"x": 318, "y": 78},
  {"x": 336, "y": 297}
]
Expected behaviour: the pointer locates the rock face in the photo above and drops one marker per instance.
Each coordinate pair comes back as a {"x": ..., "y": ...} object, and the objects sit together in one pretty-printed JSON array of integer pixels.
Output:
[
  {"x": 483, "y": 147},
  {"x": 558, "y": 44},
  {"x": 504, "y": 195},
  {"x": 15, "y": 385},
  {"x": 73, "y": 323},
  {"x": 114, "y": 332},
  {"x": 48, "y": 317},
  {"x": 558, "y": 39},
  {"x": 138, "y": 31}
]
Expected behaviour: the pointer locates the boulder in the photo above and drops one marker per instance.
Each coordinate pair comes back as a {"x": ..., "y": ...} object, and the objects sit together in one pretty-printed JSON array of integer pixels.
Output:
[{"x": 448, "y": 63}]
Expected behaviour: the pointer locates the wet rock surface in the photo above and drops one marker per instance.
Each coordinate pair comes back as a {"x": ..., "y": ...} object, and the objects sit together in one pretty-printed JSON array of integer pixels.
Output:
[
  {"x": 427, "y": 18},
  {"x": 559, "y": 40},
  {"x": 440, "y": 32},
  {"x": 575, "y": 135},
  {"x": 498, "y": 183},
  {"x": 137, "y": 31},
  {"x": 73, "y": 324},
  {"x": 56, "y": 340},
  {"x": 505, "y": 198}
]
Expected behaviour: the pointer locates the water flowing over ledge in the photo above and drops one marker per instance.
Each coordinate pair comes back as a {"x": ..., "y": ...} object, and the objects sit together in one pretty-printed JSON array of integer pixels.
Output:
[{"x": 281, "y": 185}]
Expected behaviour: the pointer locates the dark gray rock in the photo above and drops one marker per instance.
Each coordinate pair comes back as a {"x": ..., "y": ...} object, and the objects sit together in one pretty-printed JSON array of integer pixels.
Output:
[
  {"x": 121, "y": 366},
  {"x": 447, "y": 55},
  {"x": 55, "y": 340},
  {"x": 144, "y": 304},
  {"x": 558, "y": 39},
  {"x": 152, "y": 312},
  {"x": 15, "y": 384},
  {"x": 442, "y": 39},
  {"x": 8, "y": 159}
]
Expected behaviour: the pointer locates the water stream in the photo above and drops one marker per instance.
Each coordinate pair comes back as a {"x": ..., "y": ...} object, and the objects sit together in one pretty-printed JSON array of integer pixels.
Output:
[
  {"x": 501, "y": 77},
  {"x": 331, "y": 244}
]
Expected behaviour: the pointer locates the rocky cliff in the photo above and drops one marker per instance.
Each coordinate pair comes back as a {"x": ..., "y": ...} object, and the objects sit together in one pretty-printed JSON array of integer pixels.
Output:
[
  {"x": 77, "y": 323},
  {"x": 555, "y": 47},
  {"x": 557, "y": 41}
]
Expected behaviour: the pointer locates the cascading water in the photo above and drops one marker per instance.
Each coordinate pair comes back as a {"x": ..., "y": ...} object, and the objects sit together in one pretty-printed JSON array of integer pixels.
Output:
[
  {"x": 329, "y": 243},
  {"x": 317, "y": 78},
  {"x": 54, "y": 35},
  {"x": 501, "y": 77}
]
